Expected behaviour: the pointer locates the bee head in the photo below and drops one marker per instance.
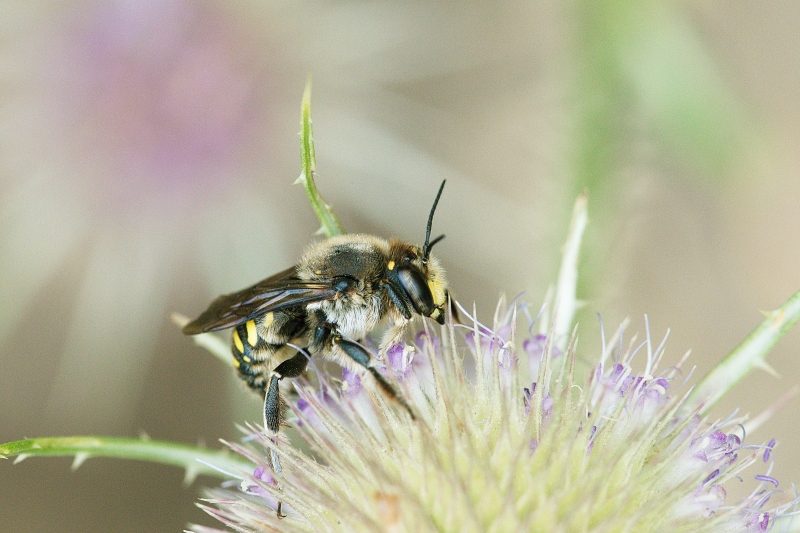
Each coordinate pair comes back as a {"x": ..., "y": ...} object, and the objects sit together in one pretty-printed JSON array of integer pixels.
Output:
[
  {"x": 418, "y": 280},
  {"x": 418, "y": 276}
]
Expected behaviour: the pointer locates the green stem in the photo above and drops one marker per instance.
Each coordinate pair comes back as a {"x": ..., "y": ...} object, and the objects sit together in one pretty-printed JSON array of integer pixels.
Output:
[
  {"x": 330, "y": 222},
  {"x": 194, "y": 460},
  {"x": 750, "y": 354}
]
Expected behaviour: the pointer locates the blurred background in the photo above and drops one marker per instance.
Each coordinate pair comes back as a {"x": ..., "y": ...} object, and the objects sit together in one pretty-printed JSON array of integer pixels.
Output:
[{"x": 147, "y": 152}]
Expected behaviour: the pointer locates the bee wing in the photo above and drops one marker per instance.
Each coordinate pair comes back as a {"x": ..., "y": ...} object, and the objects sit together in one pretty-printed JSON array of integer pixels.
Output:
[{"x": 281, "y": 291}]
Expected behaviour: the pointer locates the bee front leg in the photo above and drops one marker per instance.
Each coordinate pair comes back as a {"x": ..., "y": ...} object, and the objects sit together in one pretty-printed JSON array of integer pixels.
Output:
[
  {"x": 393, "y": 335},
  {"x": 362, "y": 357},
  {"x": 274, "y": 405},
  {"x": 401, "y": 303}
]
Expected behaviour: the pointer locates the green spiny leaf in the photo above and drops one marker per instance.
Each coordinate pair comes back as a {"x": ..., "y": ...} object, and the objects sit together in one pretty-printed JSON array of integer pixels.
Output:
[
  {"x": 750, "y": 354},
  {"x": 194, "y": 460},
  {"x": 330, "y": 222}
]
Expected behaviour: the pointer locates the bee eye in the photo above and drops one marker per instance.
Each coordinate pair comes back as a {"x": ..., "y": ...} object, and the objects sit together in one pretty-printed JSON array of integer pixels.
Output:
[
  {"x": 408, "y": 257},
  {"x": 416, "y": 288}
]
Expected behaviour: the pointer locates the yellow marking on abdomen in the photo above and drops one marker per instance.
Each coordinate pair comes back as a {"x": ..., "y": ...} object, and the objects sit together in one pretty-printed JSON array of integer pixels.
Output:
[
  {"x": 236, "y": 363},
  {"x": 252, "y": 336},
  {"x": 237, "y": 341},
  {"x": 268, "y": 319}
]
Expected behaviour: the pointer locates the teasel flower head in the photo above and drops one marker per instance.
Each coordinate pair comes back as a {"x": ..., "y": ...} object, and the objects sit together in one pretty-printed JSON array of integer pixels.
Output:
[{"x": 509, "y": 437}]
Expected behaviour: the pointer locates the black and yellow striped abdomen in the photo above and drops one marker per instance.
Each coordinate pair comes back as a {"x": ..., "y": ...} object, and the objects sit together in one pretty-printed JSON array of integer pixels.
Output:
[{"x": 255, "y": 342}]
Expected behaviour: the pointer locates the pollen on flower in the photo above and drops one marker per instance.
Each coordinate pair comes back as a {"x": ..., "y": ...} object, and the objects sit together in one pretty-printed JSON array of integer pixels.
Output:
[{"x": 503, "y": 443}]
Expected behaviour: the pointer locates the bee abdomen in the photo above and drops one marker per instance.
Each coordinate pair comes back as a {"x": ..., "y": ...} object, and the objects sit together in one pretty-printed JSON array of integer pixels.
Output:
[
  {"x": 254, "y": 342},
  {"x": 247, "y": 345},
  {"x": 251, "y": 359},
  {"x": 253, "y": 375}
]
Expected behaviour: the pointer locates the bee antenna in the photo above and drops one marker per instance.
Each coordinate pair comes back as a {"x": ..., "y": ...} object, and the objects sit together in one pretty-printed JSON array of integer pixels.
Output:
[
  {"x": 430, "y": 246},
  {"x": 426, "y": 249}
]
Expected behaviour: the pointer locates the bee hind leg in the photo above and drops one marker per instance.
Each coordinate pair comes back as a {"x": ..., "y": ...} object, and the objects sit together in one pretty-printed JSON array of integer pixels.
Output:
[
  {"x": 274, "y": 406},
  {"x": 362, "y": 357}
]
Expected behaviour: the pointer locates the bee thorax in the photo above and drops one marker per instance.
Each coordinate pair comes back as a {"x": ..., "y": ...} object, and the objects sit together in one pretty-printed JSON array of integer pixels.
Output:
[{"x": 353, "y": 315}]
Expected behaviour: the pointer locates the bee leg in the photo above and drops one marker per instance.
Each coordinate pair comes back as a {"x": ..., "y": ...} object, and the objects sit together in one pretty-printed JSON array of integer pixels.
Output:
[
  {"x": 274, "y": 405},
  {"x": 362, "y": 357},
  {"x": 392, "y": 336},
  {"x": 397, "y": 300}
]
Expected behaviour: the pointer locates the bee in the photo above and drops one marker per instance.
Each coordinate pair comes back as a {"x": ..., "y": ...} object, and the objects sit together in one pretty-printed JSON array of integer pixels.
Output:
[{"x": 338, "y": 292}]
